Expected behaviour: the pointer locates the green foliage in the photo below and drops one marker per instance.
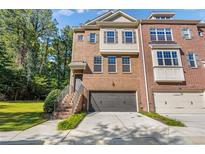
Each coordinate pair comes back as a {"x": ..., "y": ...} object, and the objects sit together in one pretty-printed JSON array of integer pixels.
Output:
[
  {"x": 71, "y": 122},
  {"x": 51, "y": 100},
  {"x": 40, "y": 86},
  {"x": 34, "y": 54},
  {"x": 165, "y": 120}
]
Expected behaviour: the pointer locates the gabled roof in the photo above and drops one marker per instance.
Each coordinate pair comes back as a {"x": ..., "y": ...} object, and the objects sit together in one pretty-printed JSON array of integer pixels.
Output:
[
  {"x": 119, "y": 13},
  {"x": 108, "y": 16},
  {"x": 99, "y": 18}
]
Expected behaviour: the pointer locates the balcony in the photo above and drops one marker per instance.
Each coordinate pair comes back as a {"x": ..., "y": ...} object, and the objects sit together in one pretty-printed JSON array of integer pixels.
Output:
[{"x": 168, "y": 74}]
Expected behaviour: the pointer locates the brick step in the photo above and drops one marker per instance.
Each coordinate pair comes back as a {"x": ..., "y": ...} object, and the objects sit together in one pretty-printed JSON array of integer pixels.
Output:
[
  {"x": 65, "y": 105},
  {"x": 64, "y": 110},
  {"x": 61, "y": 115}
]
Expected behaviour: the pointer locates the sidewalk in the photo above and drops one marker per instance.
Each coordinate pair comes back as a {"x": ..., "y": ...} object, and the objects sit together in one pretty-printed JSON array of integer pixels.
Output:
[{"x": 45, "y": 133}]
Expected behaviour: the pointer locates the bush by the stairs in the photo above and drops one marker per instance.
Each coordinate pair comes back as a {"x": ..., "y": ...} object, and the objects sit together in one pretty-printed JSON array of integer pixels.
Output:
[
  {"x": 71, "y": 122},
  {"x": 51, "y": 100}
]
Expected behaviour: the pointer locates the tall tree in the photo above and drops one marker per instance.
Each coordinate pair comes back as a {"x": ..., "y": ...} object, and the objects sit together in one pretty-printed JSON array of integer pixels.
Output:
[{"x": 37, "y": 52}]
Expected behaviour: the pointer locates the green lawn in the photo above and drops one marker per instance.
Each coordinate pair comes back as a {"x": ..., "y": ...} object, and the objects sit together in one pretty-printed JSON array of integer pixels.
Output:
[
  {"x": 163, "y": 119},
  {"x": 15, "y": 116}
]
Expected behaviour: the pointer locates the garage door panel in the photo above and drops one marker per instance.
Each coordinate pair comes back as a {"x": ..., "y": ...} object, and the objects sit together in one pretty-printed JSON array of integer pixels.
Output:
[
  {"x": 179, "y": 102},
  {"x": 113, "y": 101}
]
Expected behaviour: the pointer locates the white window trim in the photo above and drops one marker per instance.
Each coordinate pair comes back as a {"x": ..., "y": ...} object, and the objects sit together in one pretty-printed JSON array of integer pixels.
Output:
[
  {"x": 90, "y": 38},
  {"x": 195, "y": 61},
  {"x": 164, "y": 34},
  {"x": 125, "y": 36},
  {"x": 113, "y": 64},
  {"x": 127, "y": 64},
  {"x": 107, "y": 37},
  {"x": 200, "y": 34},
  {"x": 98, "y": 64},
  {"x": 79, "y": 39},
  {"x": 189, "y": 33},
  {"x": 155, "y": 60}
]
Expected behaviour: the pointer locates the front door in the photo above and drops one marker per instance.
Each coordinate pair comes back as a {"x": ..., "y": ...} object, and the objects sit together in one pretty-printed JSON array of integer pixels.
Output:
[{"x": 78, "y": 80}]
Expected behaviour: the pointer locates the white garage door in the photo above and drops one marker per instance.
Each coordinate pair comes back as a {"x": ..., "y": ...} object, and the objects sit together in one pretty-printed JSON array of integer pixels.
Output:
[{"x": 179, "y": 102}]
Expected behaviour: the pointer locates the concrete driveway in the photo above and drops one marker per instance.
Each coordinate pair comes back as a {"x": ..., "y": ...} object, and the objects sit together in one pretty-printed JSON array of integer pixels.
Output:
[
  {"x": 122, "y": 128},
  {"x": 108, "y": 128},
  {"x": 195, "y": 126},
  {"x": 190, "y": 120}
]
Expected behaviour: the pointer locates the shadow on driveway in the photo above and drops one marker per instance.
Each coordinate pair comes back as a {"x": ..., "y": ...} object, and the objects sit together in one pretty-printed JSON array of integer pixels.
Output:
[{"x": 121, "y": 129}]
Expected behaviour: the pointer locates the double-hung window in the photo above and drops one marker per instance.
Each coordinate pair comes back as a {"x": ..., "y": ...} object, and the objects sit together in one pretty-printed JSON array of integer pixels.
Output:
[
  {"x": 110, "y": 35},
  {"x": 97, "y": 64},
  {"x": 200, "y": 33},
  {"x": 160, "y": 58},
  {"x": 186, "y": 33},
  {"x": 128, "y": 37},
  {"x": 153, "y": 34},
  {"x": 126, "y": 64},
  {"x": 112, "y": 64},
  {"x": 161, "y": 34},
  {"x": 92, "y": 38},
  {"x": 168, "y": 34},
  {"x": 192, "y": 60},
  {"x": 167, "y": 58},
  {"x": 80, "y": 38}
]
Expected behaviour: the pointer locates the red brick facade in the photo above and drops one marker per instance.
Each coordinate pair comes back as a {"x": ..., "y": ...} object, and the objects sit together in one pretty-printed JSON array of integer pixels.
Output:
[
  {"x": 194, "y": 77},
  {"x": 135, "y": 81}
]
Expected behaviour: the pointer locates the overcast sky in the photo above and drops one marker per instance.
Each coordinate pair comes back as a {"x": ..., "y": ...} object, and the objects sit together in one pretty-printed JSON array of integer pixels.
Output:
[{"x": 77, "y": 17}]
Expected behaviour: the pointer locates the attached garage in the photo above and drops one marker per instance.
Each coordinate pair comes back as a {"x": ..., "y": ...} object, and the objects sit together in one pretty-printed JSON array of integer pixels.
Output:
[
  {"x": 179, "y": 102},
  {"x": 113, "y": 102}
]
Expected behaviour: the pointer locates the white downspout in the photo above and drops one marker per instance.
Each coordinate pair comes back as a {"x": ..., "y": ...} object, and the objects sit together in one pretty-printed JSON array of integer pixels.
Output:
[{"x": 144, "y": 68}]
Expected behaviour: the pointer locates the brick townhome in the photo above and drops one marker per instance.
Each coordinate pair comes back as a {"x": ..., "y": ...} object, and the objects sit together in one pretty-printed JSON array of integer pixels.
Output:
[{"x": 125, "y": 64}]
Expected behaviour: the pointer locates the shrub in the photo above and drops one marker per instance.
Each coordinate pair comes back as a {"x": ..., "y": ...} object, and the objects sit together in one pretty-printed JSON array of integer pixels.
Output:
[
  {"x": 51, "y": 100},
  {"x": 71, "y": 122}
]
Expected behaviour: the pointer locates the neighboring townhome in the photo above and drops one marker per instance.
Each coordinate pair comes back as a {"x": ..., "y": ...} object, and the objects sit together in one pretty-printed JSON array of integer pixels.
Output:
[
  {"x": 122, "y": 64},
  {"x": 105, "y": 60},
  {"x": 174, "y": 58}
]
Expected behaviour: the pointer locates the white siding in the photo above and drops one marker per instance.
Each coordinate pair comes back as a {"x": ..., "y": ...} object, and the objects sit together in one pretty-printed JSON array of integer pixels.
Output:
[
  {"x": 167, "y": 73},
  {"x": 162, "y": 74}
]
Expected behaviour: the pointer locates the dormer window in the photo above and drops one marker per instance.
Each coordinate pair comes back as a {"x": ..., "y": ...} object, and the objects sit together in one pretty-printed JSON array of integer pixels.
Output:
[
  {"x": 162, "y": 18},
  {"x": 161, "y": 15}
]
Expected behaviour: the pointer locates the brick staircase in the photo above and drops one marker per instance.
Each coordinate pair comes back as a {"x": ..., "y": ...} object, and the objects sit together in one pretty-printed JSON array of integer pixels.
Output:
[
  {"x": 69, "y": 103},
  {"x": 64, "y": 108}
]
